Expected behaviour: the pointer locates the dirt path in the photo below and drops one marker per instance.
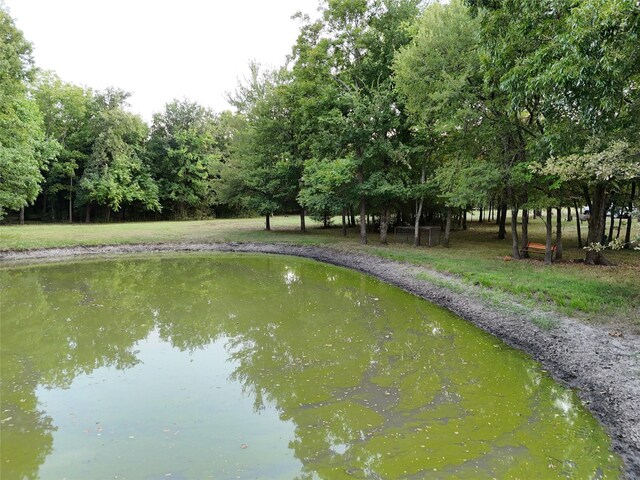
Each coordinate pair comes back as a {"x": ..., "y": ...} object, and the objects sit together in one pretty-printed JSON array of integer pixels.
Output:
[{"x": 605, "y": 369}]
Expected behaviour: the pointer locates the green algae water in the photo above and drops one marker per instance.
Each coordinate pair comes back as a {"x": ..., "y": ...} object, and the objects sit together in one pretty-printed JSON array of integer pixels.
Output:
[{"x": 217, "y": 366}]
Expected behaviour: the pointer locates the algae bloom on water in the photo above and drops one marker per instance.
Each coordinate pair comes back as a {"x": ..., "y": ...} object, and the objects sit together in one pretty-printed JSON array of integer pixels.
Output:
[{"x": 252, "y": 366}]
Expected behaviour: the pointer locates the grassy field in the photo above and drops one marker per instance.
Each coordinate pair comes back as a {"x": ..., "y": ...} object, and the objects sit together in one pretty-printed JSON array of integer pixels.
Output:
[{"x": 606, "y": 295}]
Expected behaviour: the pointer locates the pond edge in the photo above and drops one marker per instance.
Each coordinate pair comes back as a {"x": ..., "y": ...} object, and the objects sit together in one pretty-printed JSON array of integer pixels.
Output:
[{"x": 604, "y": 369}]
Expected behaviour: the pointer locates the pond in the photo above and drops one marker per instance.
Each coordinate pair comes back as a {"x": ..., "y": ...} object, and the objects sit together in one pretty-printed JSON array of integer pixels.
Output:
[{"x": 193, "y": 366}]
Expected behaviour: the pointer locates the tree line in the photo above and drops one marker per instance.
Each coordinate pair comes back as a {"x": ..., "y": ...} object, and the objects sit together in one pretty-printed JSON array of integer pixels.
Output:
[{"x": 386, "y": 112}]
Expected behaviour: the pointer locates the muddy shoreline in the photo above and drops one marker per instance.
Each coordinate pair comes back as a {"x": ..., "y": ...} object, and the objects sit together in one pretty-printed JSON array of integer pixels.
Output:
[{"x": 605, "y": 369}]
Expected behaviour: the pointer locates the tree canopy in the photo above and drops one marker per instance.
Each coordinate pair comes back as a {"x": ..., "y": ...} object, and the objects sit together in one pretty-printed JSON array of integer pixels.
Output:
[
  {"x": 398, "y": 112},
  {"x": 24, "y": 152}
]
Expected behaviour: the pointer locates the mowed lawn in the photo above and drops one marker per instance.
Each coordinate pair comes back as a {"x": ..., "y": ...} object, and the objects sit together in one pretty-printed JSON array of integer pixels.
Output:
[{"x": 606, "y": 295}]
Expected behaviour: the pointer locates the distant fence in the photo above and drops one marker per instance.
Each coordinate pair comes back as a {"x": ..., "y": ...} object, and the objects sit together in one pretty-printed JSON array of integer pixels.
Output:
[{"x": 428, "y": 236}]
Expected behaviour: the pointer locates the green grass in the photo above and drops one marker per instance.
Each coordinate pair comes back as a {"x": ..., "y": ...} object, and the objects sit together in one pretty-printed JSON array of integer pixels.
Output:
[
  {"x": 499, "y": 299},
  {"x": 600, "y": 294},
  {"x": 607, "y": 295},
  {"x": 63, "y": 235}
]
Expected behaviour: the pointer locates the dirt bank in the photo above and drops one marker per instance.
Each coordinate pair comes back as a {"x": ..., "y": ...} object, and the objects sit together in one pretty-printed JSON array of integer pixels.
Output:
[{"x": 605, "y": 368}]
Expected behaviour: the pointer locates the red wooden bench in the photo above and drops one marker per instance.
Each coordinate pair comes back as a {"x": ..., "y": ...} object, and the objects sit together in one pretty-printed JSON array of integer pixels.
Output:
[{"x": 541, "y": 248}]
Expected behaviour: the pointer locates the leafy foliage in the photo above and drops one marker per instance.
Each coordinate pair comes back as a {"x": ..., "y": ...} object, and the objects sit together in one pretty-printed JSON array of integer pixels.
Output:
[
  {"x": 24, "y": 151},
  {"x": 398, "y": 109},
  {"x": 115, "y": 174},
  {"x": 186, "y": 145}
]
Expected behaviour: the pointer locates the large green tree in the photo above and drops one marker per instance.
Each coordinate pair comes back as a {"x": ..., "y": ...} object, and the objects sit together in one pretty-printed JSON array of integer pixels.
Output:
[
  {"x": 115, "y": 174},
  {"x": 23, "y": 148},
  {"x": 578, "y": 64},
  {"x": 67, "y": 112},
  {"x": 595, "y": 64},
  {"x": 440, "y": 75},
  {"x": 187, "y": 143},
  {"x": 351, "y": 48},
  {"x": 263, "y": 174}
]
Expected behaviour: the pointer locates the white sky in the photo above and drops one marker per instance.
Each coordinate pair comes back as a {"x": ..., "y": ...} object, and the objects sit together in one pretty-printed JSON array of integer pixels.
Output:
[{"x": 159, "y": 49}]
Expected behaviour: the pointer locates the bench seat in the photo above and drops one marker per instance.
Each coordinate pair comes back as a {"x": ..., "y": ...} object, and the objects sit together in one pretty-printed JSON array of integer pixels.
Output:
[{"x": 541, "y": 248}]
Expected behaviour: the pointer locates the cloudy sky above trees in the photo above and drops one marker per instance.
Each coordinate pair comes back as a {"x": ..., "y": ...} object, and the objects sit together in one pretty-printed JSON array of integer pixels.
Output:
[{"x": 159, "y": 49}]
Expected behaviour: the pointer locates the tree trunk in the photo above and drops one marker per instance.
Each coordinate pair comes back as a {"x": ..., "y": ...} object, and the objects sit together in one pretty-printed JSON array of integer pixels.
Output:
[
  {"x": 44, "y": 204},
  {"x": 363, "y": 220},
  {"x": 416, "y": 225},
  {"x": 325, "y": 221},
  {"x": 627, "y": 236},
  {"x": 352, "y": 218},
  {"x": 267, "y": 222},
  {"x": 447, "y": 228},
  {"x": 569, "y": 217},
  {"x": 363, "y": 209},
  {"x": 464, "y": 219},
  {"x": 108, "y": 213},
  {"x": 502, "y": 230},
  {"x": 87, "y": 216},
  {"x": 619, "y": 227},
  {"x": 559, "y": 234},
  {"x": 596, "y": 225},
  {"x": 70, "y": 199},
  {"x": 419, "y": 205},
  {"x": 481, "y": 213},
  {"x": 575, "y": 205},
  {"x": 525, "y": 232},
  {"x": 344, "y": 222},
  {"x": 613, "y": 223},
  {"x": 303, "y": 225},
  {"x": 384, "y": 225},
  {"x": 548, "y": 253},
  {"x": 181, "y": 211},
  {"x": 21, "y": 215},
  {"x": 515, "y": 244}
]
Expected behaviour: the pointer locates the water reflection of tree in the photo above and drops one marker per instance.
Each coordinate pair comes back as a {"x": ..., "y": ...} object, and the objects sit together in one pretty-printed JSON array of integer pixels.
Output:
[
  {"x": 78, "y": 317},
  {"x": 393, "y": 394},
  {"x": 72, "y": 320}
]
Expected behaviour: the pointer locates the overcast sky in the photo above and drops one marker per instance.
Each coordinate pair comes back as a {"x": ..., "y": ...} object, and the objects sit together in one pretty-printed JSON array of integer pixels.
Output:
[{"x": 159, "y": 49}]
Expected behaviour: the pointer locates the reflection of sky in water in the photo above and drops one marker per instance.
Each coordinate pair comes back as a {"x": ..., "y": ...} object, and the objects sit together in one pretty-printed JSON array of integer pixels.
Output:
[
  {"x": 165, "y": 410},
  {"x": 564, "y": 402},
  {"x": 290, "y": 277},
  {"x": 339, "y": 448}
]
